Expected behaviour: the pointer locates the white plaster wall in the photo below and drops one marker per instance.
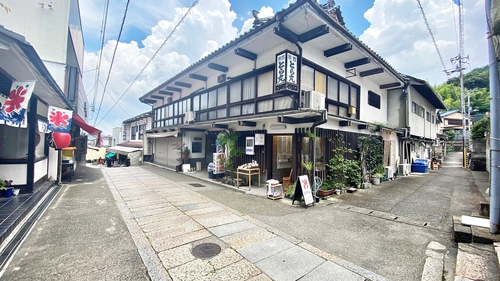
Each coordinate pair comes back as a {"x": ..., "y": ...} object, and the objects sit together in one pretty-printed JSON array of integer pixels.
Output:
[
  {"x": 15, "y": 172},
  {"x": 188, "y": 140},
  {"x": 45, "y": 29},
  {"x": 420, "y": 126},
  {"x": 395, "y": 109},
  {"x": 367, "y": 112},
  {"x": 58, "y": 72},
  {"x": 40, "y": 169}
]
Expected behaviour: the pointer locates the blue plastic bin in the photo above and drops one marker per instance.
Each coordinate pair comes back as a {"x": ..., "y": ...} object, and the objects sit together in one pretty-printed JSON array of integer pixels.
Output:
[{"x": 420, "y": 166}]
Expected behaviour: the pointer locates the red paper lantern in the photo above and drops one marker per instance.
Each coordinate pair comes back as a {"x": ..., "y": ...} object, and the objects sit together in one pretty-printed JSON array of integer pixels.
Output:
[{"x": 61, "y": 140}]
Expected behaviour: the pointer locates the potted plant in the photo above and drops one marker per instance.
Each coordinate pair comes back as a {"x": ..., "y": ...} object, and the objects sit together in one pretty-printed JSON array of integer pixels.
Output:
[
  {"x": 6, "y": 188},
  {"x": 377, "y": 175},
  {"x": 342, "y": 171},
  {"x": 186, "y": 153},
  {"x": 370, "y": 155},
  {"x": 229, "y": 142},
  {"x": 326, "y": 189}
]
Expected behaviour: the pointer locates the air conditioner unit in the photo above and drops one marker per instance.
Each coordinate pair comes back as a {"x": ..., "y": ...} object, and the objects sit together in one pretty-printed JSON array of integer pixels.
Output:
[
  {"x": 189, "y": 117},
  {"x": 404, "y": 169},
  {"x": 389, "y": 171},
  {"x": 312, "y": 100}
]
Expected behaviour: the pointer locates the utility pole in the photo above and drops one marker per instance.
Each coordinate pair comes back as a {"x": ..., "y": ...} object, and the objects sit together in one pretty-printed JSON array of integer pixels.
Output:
[
  {"x": 494, "y": 128},
  {"x": 460, "y": 60}
]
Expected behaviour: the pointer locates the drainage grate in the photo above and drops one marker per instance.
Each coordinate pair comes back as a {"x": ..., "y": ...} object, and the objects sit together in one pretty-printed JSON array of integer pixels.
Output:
[
  {"x": 206, "y": 250},
  {"x": 196, "y": 185}
]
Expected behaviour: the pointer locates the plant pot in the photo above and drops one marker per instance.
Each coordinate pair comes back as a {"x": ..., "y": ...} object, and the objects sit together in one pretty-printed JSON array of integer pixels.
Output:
[
  {"x": 376, "y": 181},
  {"x": 6, "y": 193},
  {"x": 15, "y": 191},
  {"x": 324, "y": 193},
  {"x": 366, "y": 185}
]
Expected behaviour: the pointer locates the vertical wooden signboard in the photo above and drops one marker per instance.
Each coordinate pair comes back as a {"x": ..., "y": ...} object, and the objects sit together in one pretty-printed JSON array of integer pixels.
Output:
[{"x": 303, "y": 189}]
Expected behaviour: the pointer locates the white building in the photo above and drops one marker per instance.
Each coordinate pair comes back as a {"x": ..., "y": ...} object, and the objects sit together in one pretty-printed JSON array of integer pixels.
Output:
[
  {"x": 298, "y": 71},
  {"x": 43, "y": 42}
]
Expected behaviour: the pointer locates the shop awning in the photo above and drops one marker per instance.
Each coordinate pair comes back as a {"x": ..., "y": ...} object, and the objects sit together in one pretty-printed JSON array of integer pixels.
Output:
[
  {"x": 122, "y": 149},
  {"x": 96, "y": 133},
  {"x": 163, "y": 135}
]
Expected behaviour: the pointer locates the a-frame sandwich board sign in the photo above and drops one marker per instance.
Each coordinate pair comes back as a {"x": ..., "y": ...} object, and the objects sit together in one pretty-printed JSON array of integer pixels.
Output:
[{"x": 303, "y": 189}]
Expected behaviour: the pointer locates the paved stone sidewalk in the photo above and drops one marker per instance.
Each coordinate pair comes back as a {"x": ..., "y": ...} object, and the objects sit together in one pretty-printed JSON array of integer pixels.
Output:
[{"x": 166, "y": 220}]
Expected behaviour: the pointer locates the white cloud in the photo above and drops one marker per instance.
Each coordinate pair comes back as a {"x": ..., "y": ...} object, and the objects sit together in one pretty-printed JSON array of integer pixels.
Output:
[
  {"x": 211, "y": 22},
  {"x": 398, "y": 33}
]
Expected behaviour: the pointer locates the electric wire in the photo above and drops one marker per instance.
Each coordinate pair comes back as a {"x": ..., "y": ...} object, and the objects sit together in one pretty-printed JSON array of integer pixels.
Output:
[
  {"x": 455, "y": 24},
  {"x": 98, "y": 67},
  {"x": 432, "y": 36},
  {"x": 154, "y": 55},
  {"x": 115, "y": 100},
  {"x": 112, "y": 59}
]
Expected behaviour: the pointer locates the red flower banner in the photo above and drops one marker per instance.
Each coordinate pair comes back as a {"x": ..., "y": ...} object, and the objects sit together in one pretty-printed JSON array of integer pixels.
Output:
[
  {"x": 59, "y": 119},
  {"x": 13, "y": 109}
]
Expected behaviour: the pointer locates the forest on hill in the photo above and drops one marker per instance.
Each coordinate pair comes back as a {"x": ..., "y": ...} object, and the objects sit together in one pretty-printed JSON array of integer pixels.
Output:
[{"x": 476, "y": 83}]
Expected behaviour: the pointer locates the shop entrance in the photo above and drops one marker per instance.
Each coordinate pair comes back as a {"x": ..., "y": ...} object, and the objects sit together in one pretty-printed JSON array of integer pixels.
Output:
[{"x": 282, "y": 157}]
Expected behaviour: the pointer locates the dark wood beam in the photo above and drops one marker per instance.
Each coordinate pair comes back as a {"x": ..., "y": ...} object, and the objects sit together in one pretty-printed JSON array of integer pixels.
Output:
[
  {"x": 218, "y": 67},
  {"x": 161, "y": 92},
  {"x": 371, "y": 72},
  {"x": 157, "y": 97},
  {"x": 362, "y": 126},
  {"x": 182, "y": 84},
  {"x": 293, "y": 120},
  {"x": 220, "y": 126},
  {"x": 173, "y": 89},
  {"x": 338, "y": 50},
  {"x": 148, "y": 101},
  {"x": 247, "y": 123},
  {"x": 344, "y": 123},
  {"x": 313, "y": 33},
  {"x": 246, "y": 54},
  {"x": 390, "y": 85},
  {"x": 286, "y": 34},
  {"x": 355, "y": 63},
  {"x": 198, "y": 77}
]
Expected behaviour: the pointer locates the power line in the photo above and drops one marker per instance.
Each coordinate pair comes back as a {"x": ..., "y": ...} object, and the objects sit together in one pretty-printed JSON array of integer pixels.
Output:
[
  {"x": 154, "y": 55},
  {"x": 98, "y": 67},
  {"x": 115, "y": 100},
  {"x": 112, "y": 59},
  {"x": 432, "y": 36}
]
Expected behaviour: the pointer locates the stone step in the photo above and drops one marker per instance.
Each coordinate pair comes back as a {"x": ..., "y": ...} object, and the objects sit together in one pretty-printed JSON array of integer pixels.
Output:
[{"x": 476, "y": 262}]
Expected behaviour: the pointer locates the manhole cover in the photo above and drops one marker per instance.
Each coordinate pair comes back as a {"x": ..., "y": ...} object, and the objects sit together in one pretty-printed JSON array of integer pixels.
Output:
[
  {"x": 196, "y": 185},
  {"x": 206, "y": 250}
]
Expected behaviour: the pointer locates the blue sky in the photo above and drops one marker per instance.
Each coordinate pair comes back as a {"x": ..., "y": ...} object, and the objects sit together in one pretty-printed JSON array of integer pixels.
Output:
[
  {"x": 352, "y": 13},
  {"x": 395, "y": 30}
]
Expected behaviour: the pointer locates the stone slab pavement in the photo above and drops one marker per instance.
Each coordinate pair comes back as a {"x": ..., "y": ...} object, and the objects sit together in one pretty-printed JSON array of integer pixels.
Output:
[{"x": 167, "y": 220}]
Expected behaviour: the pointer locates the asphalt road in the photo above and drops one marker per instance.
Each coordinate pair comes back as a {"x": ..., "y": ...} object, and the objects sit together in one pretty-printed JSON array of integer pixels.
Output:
[{"x": 384, "y": 229}]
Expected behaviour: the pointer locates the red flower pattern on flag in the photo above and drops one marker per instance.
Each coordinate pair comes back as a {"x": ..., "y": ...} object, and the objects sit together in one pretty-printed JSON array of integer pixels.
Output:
[
  {"x": 58, "y": 118},
  {"x": 16, "y": 98}
]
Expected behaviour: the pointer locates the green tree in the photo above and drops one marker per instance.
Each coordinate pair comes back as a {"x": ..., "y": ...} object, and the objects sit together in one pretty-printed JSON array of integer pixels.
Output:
[
  {"x": 450, "y": 135},
  {"x": 480, "y": 127},
  {"x": 450, "y": 95}
]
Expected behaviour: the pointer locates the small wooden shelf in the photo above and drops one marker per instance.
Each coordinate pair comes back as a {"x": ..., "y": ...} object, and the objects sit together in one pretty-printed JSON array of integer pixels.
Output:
[
  {"x": 249, "y": 172},
  {"x": 272, "y": 189}
]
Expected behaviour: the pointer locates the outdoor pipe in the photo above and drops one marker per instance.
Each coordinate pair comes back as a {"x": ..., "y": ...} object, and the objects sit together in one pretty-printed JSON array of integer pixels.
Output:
[
  {"x": 313, "y": 129},
  {"x": 495, "y": 129}
]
